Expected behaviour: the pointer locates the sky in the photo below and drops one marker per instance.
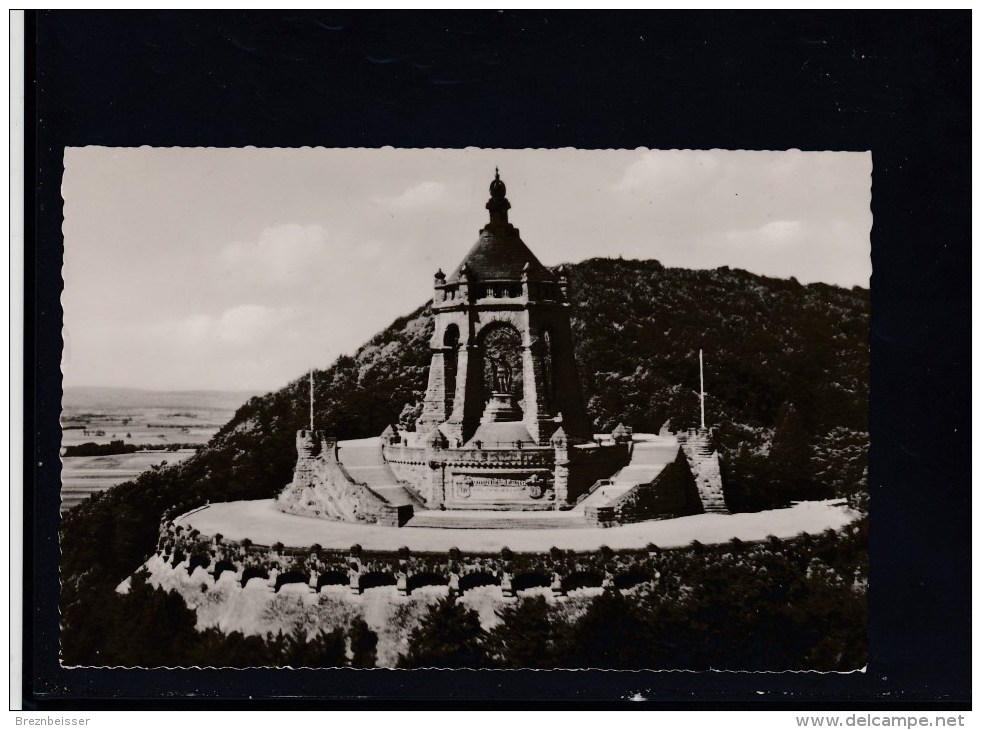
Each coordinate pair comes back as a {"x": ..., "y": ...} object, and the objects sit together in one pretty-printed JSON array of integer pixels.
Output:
[{"x": 240, "y": 269}]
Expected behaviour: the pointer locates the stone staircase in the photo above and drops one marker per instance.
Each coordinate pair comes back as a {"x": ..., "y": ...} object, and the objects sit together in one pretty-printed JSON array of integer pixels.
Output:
[
  {"x": 497, "y": 519},
  {"x": 705, "y": 466},
  {"x": 647, "y": 461},
  {"x": 363, "y": 460}
]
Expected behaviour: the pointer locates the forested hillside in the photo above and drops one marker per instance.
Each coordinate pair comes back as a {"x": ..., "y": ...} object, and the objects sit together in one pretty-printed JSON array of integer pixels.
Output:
[
  {"x": 786, "y": 375},
  {"x": 767, "y": 341}
]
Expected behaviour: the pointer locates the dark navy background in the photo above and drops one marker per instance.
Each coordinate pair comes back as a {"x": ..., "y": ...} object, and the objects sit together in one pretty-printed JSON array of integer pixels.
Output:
[{"x": 894, "y": 83}]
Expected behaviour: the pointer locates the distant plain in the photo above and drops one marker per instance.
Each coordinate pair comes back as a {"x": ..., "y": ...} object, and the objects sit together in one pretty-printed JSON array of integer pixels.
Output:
[{"x": 164, "y": 426}]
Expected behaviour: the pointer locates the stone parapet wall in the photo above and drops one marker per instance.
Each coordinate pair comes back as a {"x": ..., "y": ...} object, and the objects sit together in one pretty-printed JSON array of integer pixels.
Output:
[
  {"x": 529, "y": 478},
  {"x": 493, "y": 479},
  {"x": 524, "y": 458},
  {"x": 276, "y": 566}
]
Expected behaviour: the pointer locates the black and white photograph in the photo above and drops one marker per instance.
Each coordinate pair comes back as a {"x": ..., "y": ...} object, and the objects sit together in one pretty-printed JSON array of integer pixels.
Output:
[
  {"x": 466, "y": 408},
  {"x": 586, "y": 359}
]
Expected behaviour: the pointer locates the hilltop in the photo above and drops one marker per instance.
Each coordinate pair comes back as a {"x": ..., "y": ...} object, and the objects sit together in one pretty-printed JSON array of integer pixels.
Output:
[{"x": 777, "y": 352}]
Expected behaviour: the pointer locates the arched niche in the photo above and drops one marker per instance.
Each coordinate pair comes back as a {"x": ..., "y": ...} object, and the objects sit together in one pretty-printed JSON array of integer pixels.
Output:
[
  {"x": 477, "y": 579},
  {"x": 451, "y": 356},
  {"x": 501, "y": 363}
]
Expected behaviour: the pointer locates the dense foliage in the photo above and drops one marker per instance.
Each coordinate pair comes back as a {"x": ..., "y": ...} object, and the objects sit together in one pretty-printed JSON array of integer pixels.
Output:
[
  {"x": 639, "y": 326},
  {"x": 118, "y": 446},
  {"x": 150, "y": 627},
  {"x": 777, "y": 605},
  {"x": 774, "y": 605},
  {"x": 450, "y": 636},
  {"x": 773, "y": 347}
]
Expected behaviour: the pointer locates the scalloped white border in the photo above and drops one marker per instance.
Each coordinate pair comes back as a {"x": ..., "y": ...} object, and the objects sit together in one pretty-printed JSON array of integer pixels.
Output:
[{"x": 17, "y": 494}]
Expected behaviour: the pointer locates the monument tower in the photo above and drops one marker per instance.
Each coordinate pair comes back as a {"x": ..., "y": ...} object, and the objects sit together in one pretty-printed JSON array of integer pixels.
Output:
[
  {"x": 503, "y": 369},
  {"x": 503, "y": 424}
]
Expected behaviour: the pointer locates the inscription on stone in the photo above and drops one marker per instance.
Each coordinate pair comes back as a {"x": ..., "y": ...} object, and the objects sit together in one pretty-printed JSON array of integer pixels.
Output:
[{"x": 505, "y": 486}]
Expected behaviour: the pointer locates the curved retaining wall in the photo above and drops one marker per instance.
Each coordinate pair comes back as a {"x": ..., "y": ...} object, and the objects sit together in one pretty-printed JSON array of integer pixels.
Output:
[{"x": 276, "y": 565}]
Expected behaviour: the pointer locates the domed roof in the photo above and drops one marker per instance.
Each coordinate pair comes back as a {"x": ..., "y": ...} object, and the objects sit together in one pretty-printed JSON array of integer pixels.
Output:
[{"x": 499, "y": 253}]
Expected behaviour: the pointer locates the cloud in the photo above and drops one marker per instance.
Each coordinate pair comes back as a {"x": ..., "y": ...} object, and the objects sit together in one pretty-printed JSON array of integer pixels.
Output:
[
  {"x": 248, "y": 346},
  {"x": 283, "y": 254},
  {"x": 658, "y": 170},
  {"x": 780, "y": 232},
  {"x": 423, "y": 195},
  {"x": 244, "y": 326},
  {"x": 227, "y": 275}
]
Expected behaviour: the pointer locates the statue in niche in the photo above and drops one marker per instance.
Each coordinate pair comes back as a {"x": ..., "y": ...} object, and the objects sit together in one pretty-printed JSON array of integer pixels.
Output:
[
  {"x": 502, "y": 359},
  {"x": 500, "y": 375}
]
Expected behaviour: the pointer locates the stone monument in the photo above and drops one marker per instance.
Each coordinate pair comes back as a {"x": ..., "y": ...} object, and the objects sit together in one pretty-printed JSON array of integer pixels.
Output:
[{"x": 503, "y": 425}]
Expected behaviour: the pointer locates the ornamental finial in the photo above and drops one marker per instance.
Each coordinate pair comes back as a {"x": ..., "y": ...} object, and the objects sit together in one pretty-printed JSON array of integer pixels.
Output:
[{"x": 498, "y": 204}]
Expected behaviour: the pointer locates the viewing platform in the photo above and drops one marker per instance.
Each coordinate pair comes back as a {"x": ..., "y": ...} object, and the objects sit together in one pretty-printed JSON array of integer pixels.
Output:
[{"x": 263, "y": 524}]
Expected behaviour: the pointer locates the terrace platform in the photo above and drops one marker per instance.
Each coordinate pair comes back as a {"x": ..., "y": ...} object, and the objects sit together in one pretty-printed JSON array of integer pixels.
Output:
[{"x": 261, "y": 522}]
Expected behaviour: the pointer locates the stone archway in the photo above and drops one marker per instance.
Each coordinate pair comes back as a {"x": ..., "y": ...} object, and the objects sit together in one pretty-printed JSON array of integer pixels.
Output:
[
  {"x": 477, "y": 579},
  {"x": 290, "y": 577},
  {"x": 451, "y": 357}
]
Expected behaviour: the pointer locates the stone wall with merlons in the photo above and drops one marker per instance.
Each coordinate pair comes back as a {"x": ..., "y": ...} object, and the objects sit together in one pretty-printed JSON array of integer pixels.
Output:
[{"x": 182, "y": 548}]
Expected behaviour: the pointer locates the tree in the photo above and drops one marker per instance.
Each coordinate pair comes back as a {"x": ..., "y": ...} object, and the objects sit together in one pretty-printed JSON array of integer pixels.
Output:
[
  {"x": 325, "y": 649},
  {"x": 526, "y": 636},
  {"x": 611, "y": 634},
  {"x": 449, "y": 636},
  {"x": 747, "y": 484},
  {"x": 364, "y": 644},
  {"x": 790, "y": 456}
]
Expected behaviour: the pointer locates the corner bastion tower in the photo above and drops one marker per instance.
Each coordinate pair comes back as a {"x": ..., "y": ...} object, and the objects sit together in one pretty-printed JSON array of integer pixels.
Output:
[{"x": 503, "y": 425}]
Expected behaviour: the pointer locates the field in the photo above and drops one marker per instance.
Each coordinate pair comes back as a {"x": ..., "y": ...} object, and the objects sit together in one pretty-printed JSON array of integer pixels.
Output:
[
  {"x": 101, "y": 415},
  {"x": 82, "y": 476},
  {"x": 139, "y": 417}
]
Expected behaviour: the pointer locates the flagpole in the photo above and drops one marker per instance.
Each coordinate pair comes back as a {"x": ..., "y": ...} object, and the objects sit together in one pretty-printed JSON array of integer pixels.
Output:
[{"x": 701, "y": 382}]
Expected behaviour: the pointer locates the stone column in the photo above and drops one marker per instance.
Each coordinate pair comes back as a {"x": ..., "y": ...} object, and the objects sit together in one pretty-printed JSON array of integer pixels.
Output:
[
  {"x": 536, "y": 404},
  {"x": 561, "y": 474},
  {"x": 558, "y": 591},
  {"x": 507, "y": 590},
  {"x": 454, "y": 422},
  {"x": 434, "y": 406},
  {"x": 353, "y": 582},
  {"x": 469, "y": 384},
  {"x": 437, "y": 470}
]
